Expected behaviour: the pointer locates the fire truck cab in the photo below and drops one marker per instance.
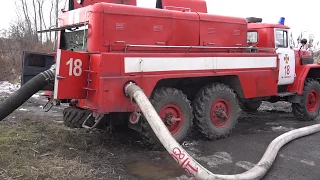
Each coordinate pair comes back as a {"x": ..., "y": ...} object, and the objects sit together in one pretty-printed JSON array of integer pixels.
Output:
[{"x": 277, "y": 36}]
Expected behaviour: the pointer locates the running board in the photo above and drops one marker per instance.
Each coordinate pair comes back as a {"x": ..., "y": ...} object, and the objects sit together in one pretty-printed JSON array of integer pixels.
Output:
[{"x": 285, "y": 94}]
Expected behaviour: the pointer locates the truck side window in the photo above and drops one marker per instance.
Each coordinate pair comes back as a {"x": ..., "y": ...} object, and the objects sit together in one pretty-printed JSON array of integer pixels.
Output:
[
  {"x": 281, "y": 38},
  {"x": 252, "y": 37}
]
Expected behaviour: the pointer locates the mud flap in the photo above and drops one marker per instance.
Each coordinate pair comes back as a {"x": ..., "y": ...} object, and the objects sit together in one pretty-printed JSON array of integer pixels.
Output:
[
  {"x": 71, "y": 75},
  {"x": 34, "y": 63}
]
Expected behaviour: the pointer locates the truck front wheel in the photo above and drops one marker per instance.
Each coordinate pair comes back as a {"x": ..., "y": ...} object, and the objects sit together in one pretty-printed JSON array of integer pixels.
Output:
[
  {"x": 216, "y": 111},
  {"x": 308, "y": 108}
]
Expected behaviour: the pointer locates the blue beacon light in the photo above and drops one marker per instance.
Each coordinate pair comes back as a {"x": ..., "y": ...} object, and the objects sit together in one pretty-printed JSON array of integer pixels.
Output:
[{"x": 281, "y": 21}]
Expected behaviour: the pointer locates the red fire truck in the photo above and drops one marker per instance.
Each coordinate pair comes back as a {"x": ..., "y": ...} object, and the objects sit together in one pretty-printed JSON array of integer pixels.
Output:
[{"x": 198, "y": 69}]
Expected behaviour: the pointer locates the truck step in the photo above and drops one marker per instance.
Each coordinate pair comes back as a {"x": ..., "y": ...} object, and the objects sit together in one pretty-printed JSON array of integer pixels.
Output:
[{"x": 284, "y": 94}]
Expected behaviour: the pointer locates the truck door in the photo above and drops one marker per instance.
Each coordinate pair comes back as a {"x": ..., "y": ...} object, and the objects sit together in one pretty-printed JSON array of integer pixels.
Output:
[
  {"x": 286, "y": 56},
  {"x": 71, "y": 75},
  {"x": 34, "y": 63}
]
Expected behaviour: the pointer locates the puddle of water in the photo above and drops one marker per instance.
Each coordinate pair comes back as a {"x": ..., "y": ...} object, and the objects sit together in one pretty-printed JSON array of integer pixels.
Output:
[{"x": 145, "y": 170}]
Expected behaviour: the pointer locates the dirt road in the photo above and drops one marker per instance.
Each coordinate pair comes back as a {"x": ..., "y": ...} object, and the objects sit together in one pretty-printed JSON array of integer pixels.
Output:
[{"x": 36, "y": 145}]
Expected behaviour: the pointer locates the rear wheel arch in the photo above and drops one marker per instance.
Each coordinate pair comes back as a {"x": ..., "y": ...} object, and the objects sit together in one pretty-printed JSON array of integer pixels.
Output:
[
  {"x": 192, "y": 85},
  {"x": 314, "y": 73},
  {"x": 308, "y": 73}
]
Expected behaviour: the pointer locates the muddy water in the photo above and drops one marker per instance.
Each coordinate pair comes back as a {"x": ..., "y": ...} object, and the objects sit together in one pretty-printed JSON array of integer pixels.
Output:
[
  {"x": 145, "y": 170},
  {"x": 244, "y": 148}
]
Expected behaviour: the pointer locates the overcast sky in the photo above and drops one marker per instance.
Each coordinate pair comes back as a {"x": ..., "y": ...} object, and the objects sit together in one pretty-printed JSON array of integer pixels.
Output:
[{"x": 300, "y": 15}]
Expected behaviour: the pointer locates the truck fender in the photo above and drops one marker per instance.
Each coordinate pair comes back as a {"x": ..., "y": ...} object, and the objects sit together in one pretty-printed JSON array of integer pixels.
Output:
[{"x": 306, "y": 71}]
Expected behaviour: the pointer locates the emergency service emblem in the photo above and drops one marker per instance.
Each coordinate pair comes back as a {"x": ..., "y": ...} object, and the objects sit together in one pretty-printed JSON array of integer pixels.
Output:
[{"x": 286, "y": 58}]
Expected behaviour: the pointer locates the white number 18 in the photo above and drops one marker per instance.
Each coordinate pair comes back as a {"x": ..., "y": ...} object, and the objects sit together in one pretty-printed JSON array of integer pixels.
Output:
[{"x": 76, "y": 70}]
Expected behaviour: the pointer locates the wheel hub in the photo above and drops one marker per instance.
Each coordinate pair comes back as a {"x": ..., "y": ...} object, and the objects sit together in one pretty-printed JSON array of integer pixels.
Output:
[
  {"x": 220, "y": 112},
  {"x": 312, "y": 101},
  {"x": 172, "y": 117},
  {"x": 169, "y": 119}
]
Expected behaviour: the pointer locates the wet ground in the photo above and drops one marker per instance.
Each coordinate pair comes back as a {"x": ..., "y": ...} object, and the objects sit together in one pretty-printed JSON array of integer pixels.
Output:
[{"x": 36, "y": 145}]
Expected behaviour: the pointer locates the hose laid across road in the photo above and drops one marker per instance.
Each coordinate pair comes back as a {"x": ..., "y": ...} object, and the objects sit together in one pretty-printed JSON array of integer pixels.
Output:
[
  {"x": 192, "y": 167},
  {"x": 26, "y": 91}
]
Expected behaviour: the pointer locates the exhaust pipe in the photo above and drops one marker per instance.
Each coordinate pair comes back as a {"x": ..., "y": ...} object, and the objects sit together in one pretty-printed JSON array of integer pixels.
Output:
[
  {"x": 26, "y": 91},
  {"x": 192, "y": 167}
]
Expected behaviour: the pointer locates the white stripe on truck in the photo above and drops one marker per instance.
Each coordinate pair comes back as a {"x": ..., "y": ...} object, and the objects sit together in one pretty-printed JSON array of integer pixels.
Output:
[{"x": 155, "y": 64}]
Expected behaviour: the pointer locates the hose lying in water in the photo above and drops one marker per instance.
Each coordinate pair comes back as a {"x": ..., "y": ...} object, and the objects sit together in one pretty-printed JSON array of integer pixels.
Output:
[
  {"x": 26, "y": 91},
  {"x": 192, "y": 167}
]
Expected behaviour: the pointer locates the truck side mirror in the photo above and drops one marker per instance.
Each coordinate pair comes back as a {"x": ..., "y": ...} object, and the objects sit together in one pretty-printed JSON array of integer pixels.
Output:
[{"x": 303, "y": 41}]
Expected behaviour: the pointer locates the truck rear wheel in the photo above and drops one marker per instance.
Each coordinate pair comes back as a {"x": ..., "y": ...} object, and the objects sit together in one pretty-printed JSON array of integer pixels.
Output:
[
  {"x": 175, "y": 111},
  {"x": 74, "y": 117},
  {"x": 308, "y": 108},
  {"x": 216, "y": 111}
]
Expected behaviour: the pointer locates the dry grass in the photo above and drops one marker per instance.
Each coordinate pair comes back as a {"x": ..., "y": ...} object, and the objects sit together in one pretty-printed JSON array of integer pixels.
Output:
[
  {"x": 36, "y": 145},
  {"x": 36, "y": 148},
  {"x": 25, "y": 154}
]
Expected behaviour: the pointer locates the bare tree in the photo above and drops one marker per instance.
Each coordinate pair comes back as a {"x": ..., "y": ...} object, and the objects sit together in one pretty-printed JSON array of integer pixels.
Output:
[
  {"x": 35, "y": 15},
  {"x": 31, "y": 16}
]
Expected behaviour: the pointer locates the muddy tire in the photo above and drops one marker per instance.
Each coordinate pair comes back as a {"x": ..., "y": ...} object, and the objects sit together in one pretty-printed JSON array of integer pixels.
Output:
[
  {"x": 308, "y": 108},
  {"x": 74, "y": 117},
  {"x": 250, "y": 106},
  {"x": 216, "y": 110},
  {"x": 171, "y": 104}
]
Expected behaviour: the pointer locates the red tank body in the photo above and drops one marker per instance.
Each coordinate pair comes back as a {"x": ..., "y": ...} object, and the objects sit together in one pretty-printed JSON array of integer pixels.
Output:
[
  {"x": 121, "y": 25},
  {"x": 184, "y": 5},
  {"x": 74, "y": 4}
]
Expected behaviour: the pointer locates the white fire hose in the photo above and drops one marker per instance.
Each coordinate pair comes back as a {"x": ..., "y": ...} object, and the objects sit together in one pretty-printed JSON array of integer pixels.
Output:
[{"x": 192, "y": 167}]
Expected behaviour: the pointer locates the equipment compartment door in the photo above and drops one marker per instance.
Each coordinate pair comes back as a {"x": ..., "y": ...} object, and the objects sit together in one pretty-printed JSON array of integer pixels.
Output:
[
  {"x": 286, "y": 57},
  {"x": 71, "y": 75},
  {"x": 34, "y": 63}
]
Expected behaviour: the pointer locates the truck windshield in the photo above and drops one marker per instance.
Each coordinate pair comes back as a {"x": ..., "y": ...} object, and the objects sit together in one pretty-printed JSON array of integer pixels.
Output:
[
  {"x": 75, "y": 39},
  {"x": 281, "y": 38},
  {"x": 252, "y": 37}
]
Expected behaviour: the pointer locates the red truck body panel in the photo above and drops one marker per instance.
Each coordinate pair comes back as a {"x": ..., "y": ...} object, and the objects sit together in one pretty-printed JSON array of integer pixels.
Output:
[
  {"x": 129, "y": 43},
  {"x": 111, "y": 71},
  {"x": 113, "y": 26},
  {"x": 85, "y": 3},
  {"x": 185, "y": 5}
]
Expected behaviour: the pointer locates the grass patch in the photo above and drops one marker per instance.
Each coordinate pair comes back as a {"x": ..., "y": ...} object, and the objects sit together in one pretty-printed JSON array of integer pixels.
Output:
[
  {"x": 36, "y": 147},
  {"x": 28, "y": 150}
]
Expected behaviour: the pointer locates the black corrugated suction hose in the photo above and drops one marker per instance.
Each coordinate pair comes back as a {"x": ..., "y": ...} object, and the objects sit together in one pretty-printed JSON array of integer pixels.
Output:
[{"x": 26, "y": 91}]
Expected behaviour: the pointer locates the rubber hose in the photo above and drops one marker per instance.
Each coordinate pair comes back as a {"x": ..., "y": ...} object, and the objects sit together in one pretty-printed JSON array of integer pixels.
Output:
[
  {"x": 26, "y": 91},
  {"x": 192, "y": 167}
]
